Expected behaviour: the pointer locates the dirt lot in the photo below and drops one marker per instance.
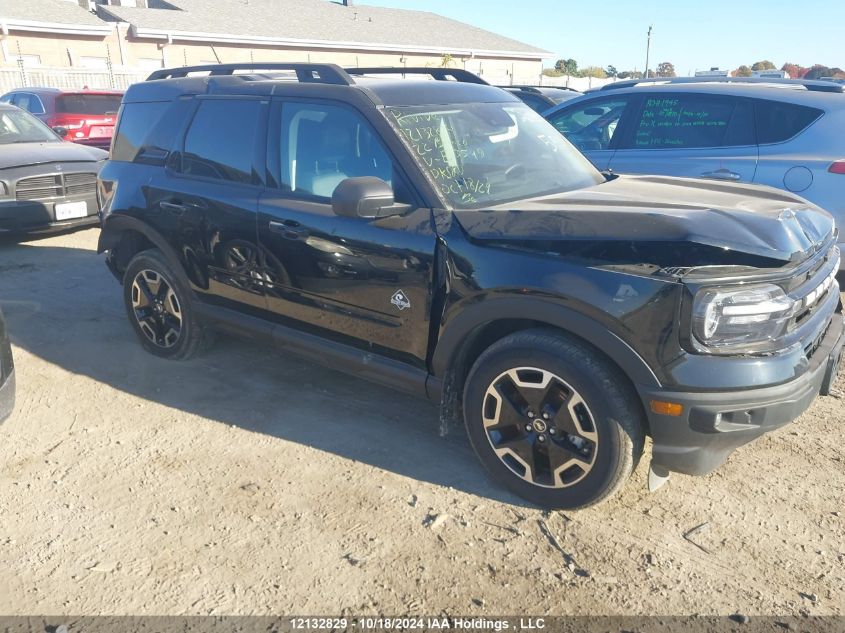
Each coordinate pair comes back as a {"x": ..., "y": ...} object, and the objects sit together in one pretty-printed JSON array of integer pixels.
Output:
[{"x": 249, "y": 482}]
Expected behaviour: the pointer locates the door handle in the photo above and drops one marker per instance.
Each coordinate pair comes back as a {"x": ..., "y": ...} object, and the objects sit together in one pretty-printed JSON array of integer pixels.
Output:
[
  {"x": 173, "y": 207},
  {"x": 288, "y": 229},
  {"x": 722, "y": 174}
]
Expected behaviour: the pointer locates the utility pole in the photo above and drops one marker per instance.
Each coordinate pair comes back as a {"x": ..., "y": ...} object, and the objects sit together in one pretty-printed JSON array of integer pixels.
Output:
[{"x": 647, "y": 51}]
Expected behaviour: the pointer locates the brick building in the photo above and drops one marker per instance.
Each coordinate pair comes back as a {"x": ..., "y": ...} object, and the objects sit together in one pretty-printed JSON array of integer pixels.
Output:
[{"x": 42, "y": 38}]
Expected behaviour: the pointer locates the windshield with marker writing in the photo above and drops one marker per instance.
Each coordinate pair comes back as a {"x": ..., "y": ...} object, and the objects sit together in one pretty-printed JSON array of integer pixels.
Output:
[{"x": 487, "y": 154}]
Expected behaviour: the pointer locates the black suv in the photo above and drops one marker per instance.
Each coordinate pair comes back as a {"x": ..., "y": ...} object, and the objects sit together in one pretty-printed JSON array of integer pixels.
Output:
[{"x": 441, "y": 237}]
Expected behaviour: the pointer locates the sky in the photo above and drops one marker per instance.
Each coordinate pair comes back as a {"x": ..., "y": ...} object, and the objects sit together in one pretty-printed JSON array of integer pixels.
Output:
[{"x": 692, "y": 35}]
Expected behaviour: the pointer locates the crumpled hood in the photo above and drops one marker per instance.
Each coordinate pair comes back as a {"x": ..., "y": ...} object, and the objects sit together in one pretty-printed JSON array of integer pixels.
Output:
[
  {"x": 23, "y": 154},
  {"x": 751, "y": 219}
]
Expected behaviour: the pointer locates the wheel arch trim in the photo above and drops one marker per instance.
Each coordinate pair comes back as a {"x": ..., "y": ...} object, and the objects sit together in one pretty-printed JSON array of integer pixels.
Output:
[
  {"x": 459, "y": 331},
  {"x": 114, "y": 228}
]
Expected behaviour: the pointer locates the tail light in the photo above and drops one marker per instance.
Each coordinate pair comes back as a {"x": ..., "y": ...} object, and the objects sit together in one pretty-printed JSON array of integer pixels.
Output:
[
  {"x": 838, "y": 167},
  {"x": 67, "y": 122}
]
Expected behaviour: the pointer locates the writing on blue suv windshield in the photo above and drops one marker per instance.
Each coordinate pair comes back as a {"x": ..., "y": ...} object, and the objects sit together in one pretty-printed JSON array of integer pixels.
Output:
[{"x": 486, "y": 154}]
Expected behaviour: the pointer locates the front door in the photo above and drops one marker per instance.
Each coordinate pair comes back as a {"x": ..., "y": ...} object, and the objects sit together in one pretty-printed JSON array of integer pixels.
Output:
[{"x": 367, "y": 282}]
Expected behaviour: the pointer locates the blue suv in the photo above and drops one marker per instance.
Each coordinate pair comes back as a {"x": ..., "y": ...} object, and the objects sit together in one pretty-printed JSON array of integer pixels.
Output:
[{"x": 781, "y": 133}]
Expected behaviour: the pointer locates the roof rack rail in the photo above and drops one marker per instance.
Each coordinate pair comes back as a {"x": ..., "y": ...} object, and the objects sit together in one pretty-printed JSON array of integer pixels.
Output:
[
  {"x": 440, "y": 74},
  {"x": 536, "y": 87},
  {"x": 305, "y": 73},
  {"x": 810, "y": 84}
]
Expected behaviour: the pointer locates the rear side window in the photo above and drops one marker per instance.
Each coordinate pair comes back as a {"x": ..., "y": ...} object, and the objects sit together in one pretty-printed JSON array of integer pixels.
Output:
[
  {"x": 220, "y": 143},
  {"x": 538, "y": 104},
  {"x": 29, "y": 102},
  {"x": 683, "y": 121},
  {"x": 87, "y": 104},
  {"x": 137, "y": 121},
  {"x": 778, "y": 122}
]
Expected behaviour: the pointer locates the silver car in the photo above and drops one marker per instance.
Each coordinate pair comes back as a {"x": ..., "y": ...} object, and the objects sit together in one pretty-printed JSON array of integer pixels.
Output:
[{"x": 786, "y": 134}]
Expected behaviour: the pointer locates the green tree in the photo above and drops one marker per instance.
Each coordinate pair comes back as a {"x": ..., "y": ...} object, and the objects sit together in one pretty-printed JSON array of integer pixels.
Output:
[
  {"x": 625, "y": 74},
  {"x": 611, "y": 71},
  {"x": 666, "y": 69},
  {"x": 446, "y": 60},
  {"x": 567, "y": 66},
  {"x": 742, "y": 71},
  {"x": 594, "y": 71},
  {"x": 763, "y": 65}
]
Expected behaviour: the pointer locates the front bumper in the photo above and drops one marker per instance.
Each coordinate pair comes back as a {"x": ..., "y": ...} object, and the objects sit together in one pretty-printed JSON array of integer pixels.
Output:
[
  {"x": 40, "y": 215},
  {"x": 713, "y": 425}
]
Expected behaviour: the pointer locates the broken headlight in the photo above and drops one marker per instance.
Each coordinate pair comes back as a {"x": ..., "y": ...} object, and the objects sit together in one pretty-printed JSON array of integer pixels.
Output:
[{"x": 742, "y": 320}]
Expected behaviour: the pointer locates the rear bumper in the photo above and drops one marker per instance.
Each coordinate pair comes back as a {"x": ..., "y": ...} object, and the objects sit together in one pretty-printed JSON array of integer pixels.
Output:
[
  {"x": 715, "y": 424},
  {"x": 100, "y": 143},
  {"x": 40, "y": 215}
]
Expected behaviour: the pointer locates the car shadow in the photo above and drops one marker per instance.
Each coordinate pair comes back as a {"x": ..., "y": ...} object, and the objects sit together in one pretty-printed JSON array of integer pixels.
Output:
[{"x": 62, "y": 305}]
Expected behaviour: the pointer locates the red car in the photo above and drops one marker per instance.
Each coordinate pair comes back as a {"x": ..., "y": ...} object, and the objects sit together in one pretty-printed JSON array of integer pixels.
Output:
[{"x": 81, "y": 116}]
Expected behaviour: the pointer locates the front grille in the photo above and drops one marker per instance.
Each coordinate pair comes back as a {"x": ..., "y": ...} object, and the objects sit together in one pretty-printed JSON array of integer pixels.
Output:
[
  {"x": 820, "y": 282},
  {"x": 80, "y": 183},
  {"x": 39, "y": 187},
  {"x": 814, "y": 304},
  {"x": 55, "y": 186}
]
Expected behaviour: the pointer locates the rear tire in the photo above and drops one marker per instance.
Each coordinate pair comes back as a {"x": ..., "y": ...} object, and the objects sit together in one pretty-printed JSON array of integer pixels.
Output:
[
  {"x": 159, "y": 308},
  {"x": 552, "y": 419}
]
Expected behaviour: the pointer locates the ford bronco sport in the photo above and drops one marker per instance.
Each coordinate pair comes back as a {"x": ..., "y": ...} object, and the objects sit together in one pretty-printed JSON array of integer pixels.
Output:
[{"x": 442, "y": 238}]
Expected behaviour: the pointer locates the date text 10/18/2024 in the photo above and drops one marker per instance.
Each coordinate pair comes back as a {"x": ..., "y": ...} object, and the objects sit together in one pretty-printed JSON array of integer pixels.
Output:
[{"x": 443, "y": 623}]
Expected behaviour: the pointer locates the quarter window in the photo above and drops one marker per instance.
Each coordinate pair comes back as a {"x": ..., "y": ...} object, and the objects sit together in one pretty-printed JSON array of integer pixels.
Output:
[
  {"x": 220, "y": 143},
  {"x": 135, "y": 124},
  {"x": 590, "y": 126},
  {"x": 778, "y": 122}
]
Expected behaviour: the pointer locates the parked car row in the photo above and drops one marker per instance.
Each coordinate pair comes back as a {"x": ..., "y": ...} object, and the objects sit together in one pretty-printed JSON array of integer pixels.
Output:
[{"x": 80, "y": 116}]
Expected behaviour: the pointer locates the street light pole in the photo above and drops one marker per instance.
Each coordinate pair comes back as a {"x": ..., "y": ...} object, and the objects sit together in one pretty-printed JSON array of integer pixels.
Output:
[{"x": 647, "y": 51}]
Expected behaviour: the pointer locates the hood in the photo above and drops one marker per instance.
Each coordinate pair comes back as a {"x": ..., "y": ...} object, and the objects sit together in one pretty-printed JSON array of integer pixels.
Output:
[
  {"x": 23, "y": 154},
  {"x": 749, "y": 219}
]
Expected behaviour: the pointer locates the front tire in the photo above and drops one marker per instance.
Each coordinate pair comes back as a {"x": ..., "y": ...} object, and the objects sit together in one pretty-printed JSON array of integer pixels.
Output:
[
  {"x": 159, "y": 308},
  {"x": 552, "y": 419}
]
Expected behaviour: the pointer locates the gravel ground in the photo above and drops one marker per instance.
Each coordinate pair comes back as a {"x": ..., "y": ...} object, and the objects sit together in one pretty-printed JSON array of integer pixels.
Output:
[{"x": 250, "y": 482}]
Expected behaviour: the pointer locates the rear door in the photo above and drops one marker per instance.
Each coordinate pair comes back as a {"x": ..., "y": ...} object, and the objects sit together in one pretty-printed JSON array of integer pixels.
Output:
[
  {"x": 365, "y": 281},
  {"x": 205, "y": 201},
  {"x": 692, "y": 135},
  {"x": 594, "y": 125}
]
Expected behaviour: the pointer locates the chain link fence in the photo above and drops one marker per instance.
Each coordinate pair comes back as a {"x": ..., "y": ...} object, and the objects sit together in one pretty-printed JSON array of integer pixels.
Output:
[{"x": 68, "y": 78}]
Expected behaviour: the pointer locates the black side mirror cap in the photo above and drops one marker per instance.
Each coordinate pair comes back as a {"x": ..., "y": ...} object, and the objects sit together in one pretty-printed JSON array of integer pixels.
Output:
[
  {"x": 364, "y": 197},
  {"x": 61, "y": 131}
]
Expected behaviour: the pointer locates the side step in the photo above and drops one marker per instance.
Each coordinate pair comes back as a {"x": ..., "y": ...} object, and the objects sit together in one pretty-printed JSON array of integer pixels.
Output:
[{"x": 333, "y": 354}]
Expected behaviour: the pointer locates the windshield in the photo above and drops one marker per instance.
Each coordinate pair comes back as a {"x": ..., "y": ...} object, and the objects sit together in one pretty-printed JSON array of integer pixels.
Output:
[
  {"x": 486, "y": 154},
  {"x": 88, "y": 103},
  {"x": 17, "y": 126}
]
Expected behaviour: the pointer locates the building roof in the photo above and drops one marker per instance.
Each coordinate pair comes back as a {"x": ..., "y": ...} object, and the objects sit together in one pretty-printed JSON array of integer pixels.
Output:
[
  {"x": 58, "y": 16},
  {"x": 316, "y": 23}
]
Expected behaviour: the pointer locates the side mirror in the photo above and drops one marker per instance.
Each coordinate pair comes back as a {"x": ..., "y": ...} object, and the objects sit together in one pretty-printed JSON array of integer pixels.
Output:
[
  {"x": 61, "y": 131},
  {"x": 363, "y": 197},
  {"x": 594, "y": 111}
]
